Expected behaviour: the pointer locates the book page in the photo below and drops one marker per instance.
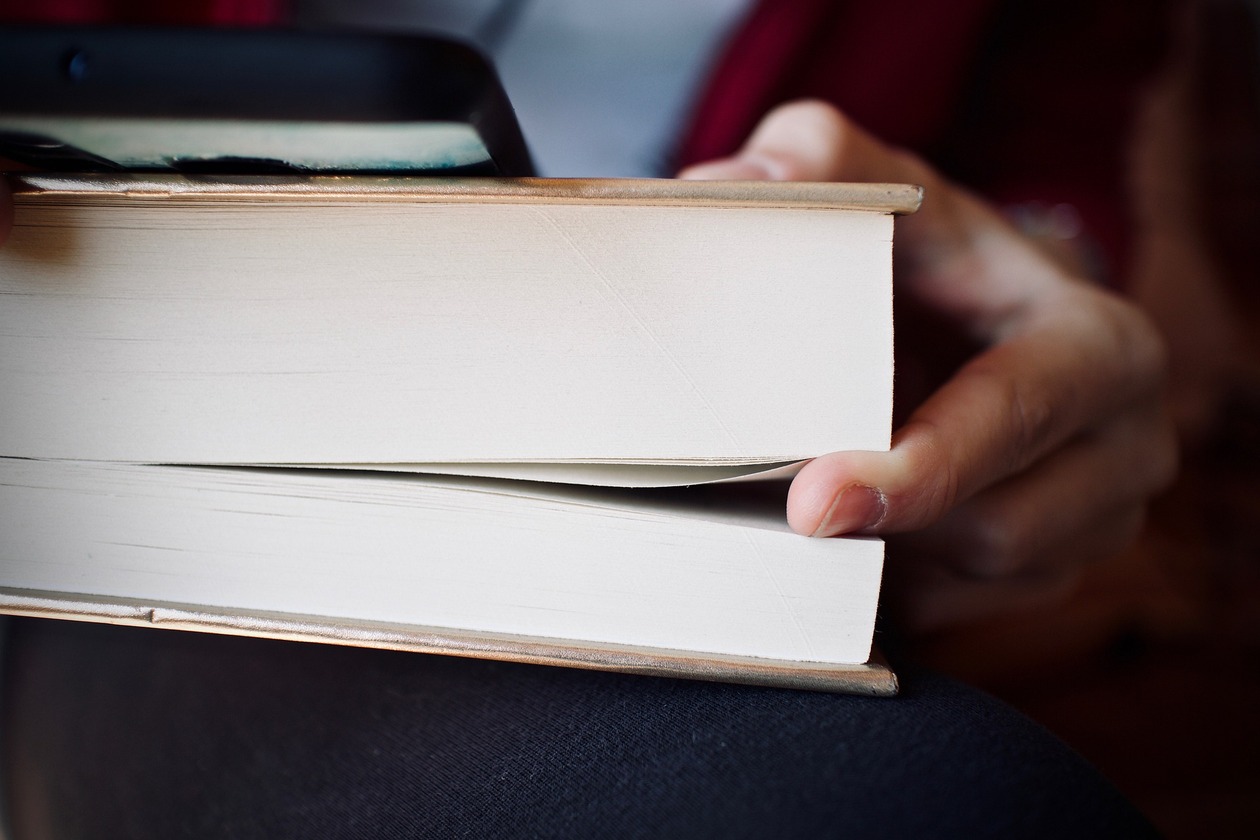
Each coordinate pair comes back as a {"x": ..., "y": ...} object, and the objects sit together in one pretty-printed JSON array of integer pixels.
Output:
[
  {"x": 595, "y": 475},
  {"x": 703, "y": 569},
  {"x": 374, "y": 332}
]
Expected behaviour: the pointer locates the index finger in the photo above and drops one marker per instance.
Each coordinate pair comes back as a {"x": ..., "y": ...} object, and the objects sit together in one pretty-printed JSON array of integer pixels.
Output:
[
  {"x": 944, "y": 251},
  {"x": 999, "y": 414},
  {"x": 1061, "y": 354}
]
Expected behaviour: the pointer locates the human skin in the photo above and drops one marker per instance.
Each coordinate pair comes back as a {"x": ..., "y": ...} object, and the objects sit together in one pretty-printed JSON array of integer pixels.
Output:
[{"x": 1038, "y": 454}]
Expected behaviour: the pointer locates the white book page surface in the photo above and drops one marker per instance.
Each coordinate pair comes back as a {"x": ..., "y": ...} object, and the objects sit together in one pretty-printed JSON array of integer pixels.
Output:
[
  {"x": 671, "y": 571},
  {"x": 394, "y": 332}
]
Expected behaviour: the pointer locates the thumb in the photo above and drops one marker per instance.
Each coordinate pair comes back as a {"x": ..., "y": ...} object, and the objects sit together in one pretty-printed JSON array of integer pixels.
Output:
[{"x": 1055, "y": 355}]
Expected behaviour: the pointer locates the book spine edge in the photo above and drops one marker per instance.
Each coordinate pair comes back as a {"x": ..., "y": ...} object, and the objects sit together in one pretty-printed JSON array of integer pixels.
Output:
[
  {"x": 872, "y": 678},
  {"x": 879, "y": 198}
]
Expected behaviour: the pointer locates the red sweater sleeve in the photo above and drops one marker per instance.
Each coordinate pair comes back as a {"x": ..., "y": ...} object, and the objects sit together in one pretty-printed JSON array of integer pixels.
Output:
[
  {"x": 1023, "y": 101},
  {"x": 159, "y": 12},
  {"x": 1027, "y": 100}
]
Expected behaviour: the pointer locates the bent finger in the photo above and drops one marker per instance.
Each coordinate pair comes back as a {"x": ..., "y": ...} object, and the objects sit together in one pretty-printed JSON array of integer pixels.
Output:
[
  {"x": 955, "y": 250},
  {"x": 1020, "y": 525},
  {"x": 1004, "y": 411},
  {"x": 922, "y": 596}
]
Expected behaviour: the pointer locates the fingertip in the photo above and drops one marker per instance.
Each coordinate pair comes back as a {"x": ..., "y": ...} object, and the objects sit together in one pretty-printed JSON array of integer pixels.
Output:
[
  {"x": 805, "y": 140},
  {"x": 829, "y": 498},
  {"x": 728, "y": 169}
]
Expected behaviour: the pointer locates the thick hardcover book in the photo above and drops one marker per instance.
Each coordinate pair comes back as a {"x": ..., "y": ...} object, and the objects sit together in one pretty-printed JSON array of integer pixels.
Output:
[{"x": 228, "y": 405}]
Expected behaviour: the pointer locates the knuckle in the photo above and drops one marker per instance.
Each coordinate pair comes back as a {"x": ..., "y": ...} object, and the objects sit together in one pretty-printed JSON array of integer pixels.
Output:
[
  {"x": 1026, "y": 419},
  {"x": 1141, "y": 348},
  {"x": 815, "y": 113},
  {"x": 802, "y": 140},
  {"x": 999, "y": 547},
  {"x": 1031, "y": 423},
  {"x": 788, "y": 167},
  {"x": 934, "y": 488}
]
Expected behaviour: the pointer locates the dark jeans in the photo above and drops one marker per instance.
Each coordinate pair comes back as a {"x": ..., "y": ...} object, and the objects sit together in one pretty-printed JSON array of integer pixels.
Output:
[{"x": 119, "y": 733}]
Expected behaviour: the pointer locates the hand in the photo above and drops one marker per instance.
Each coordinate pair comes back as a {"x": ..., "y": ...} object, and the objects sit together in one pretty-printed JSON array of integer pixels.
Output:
[{"x": 1036, "y": 453}]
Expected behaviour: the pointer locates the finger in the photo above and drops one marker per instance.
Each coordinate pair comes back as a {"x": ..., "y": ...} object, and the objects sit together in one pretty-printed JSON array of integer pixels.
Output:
[
  {"x": 1019, "y": 526},
  {"x": 944, "y": 250},
  {"x": 1004, "y": 411},
  {"x": 921, "y": 596},
  {"x": 927, "y": 603},
  {"x": 1066, "y": 356},
  {"x": 812, "y": 141}
]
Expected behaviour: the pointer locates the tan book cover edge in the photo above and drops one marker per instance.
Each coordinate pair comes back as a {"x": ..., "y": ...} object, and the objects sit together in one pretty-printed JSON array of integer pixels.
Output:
[
  {"x": 879, "y": 198},
  {"x": 872, "y": 678}
]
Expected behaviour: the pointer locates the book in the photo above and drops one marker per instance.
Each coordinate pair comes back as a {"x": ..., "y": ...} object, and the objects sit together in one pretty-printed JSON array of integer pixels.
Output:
[
  {"x": 545, "y": 570},
  {"x": 229, "y": 405}
]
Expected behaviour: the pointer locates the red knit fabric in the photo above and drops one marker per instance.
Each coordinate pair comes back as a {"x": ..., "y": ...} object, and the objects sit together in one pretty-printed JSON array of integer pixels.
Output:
[
  {"x": 1023, "y": 101},
  {"x": 896, "y": 67},
  {"x": 1027, "y": 100},
  {"x": 158, "y": 12}
]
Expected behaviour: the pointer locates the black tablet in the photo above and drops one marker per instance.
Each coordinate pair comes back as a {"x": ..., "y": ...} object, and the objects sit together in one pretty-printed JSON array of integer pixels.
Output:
[{"x": 249, "y": 102}]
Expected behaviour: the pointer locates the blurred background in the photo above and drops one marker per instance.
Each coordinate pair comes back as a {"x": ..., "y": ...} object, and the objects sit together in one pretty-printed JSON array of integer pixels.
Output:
[{"x": 1152, "y": 669}]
